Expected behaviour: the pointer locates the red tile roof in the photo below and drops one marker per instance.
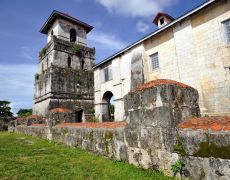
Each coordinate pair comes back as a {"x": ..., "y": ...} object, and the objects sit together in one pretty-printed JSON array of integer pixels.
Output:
[
  {"x": 158, "y": 82},
  {"x": 39, "y": 125},
  {"x": 34, "y": 116},
  {"x": 94, "y": 125},
  {"x": 60, "y": 110},
  {"x": 161, "y": 14},
  {"x": 20, "y": 119},
  {"x": 210, "y": 123}
]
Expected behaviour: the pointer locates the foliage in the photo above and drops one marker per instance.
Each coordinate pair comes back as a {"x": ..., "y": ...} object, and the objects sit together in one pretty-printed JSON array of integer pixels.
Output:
[
  {"x": 92, "y": 110},
  {"x": 24, "y": 112},
  {"x": 5, "y": 109},
  {"x": 78, "y": 95},
  {"x": 178, "y": 167},
  {"x": 77, "y": 78},
  {"x": 178, "y": 147},
  {"x": 111, "y": 108},
  {"x": 93, "y": 119},
  {"x": 25, "y": 157},
  {"x": 43, "y": 51},
  {"x": 76, "y": 49},
  {"x": 37, "y": 76}
]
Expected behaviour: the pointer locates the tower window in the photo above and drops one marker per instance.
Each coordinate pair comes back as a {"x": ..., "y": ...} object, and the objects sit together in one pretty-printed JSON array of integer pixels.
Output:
[
  {"x": 73, "y": 35},
  {"x": 52, "y": 33},
  {"x": 226, "y": 25},
  {"x": 162, "y": 21},
  {"x": 154, "y": 61},
  {"x": 69, "y": 61}
]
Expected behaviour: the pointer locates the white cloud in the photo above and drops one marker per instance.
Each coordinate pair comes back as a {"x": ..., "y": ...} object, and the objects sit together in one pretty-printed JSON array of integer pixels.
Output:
[
  {"x": 142, "y": 27},
  {"x": 135, "y": 8},
  {"x": 17, "y": 84},
  {"x": 105, "y": 41}
]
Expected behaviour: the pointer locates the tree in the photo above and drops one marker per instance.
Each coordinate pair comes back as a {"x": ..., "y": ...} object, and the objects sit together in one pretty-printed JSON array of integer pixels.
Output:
[
  {"x": 5, "y": 109},
  {"x": 24, "y": 112}
]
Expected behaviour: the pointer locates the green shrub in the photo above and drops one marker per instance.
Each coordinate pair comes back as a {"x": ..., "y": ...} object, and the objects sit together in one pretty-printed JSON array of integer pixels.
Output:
[
  {"x": 78, "y": 95},
  {"x": 37, "y": 76},
  {"x": 76, "y": 49},
  {"x": 178, "y": 166},
  {"x": 93, "y": 119},
  {"x": 43, "y": 51}
]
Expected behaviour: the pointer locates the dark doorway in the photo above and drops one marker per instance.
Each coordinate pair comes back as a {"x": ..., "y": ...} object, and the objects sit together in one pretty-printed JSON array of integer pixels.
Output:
[
  {"x": 78, "y": 116},
  {"x": 107, "y": 107}
]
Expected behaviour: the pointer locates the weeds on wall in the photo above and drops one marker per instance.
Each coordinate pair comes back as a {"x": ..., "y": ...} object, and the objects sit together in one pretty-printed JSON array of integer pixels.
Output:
[
  {"x": 178, "y": 147},
  {"x": 43, "y": 51},
  {"x": 93, "y": 119},
  {"x": 37, "y": 76},
  {"x": 178, "y": 167},
  {"x": 76, "y": 49}
]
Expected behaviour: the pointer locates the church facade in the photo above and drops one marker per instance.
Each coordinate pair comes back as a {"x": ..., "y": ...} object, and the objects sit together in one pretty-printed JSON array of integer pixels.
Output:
[
  {"x": 193, "y": 49},
  {"x": 65, "y": 75}
]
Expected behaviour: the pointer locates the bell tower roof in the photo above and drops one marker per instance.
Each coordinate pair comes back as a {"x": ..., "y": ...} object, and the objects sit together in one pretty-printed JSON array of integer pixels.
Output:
[
  {"x": 161, "y": 19},
  {"x": 56, "y": 14}
]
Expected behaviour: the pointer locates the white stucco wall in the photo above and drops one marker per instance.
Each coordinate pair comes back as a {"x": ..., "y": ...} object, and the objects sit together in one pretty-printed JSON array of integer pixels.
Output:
[
  {"x": 192, "y": 51},
  {"x": 119, "y": 86},
  {"x": 61, "y": 29}
]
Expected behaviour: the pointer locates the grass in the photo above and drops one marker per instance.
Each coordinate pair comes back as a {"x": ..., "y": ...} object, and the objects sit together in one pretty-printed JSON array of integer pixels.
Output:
[{"x": 25, "y": 157}]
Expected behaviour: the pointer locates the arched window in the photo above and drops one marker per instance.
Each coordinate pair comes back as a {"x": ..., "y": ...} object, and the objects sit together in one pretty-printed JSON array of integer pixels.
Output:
[
  {"x": 69, "y": 61},
  {"x": 52, "y": 33},
  {"x": 73, "y": 35}
]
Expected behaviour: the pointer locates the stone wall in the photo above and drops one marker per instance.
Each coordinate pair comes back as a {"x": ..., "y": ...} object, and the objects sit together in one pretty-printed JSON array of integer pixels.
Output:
[
  {"x": 204, "y": 144},
  {"x": 152, "y": 136},
  {"x": 70, "y": 89}
]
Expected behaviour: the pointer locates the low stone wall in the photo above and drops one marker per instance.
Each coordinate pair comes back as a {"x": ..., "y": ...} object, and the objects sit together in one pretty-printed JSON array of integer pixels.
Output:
[
  {"x": 153, "y": 136},
  {"x": 205, "y": 146}
]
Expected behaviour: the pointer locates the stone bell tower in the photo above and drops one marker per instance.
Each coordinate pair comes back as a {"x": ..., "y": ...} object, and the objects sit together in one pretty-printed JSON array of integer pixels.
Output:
[{"x": 65, "y": 75}]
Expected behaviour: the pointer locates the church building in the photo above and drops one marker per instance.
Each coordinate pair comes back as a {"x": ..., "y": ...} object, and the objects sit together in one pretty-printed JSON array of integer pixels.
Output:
[{"x": 193, "y": 49}]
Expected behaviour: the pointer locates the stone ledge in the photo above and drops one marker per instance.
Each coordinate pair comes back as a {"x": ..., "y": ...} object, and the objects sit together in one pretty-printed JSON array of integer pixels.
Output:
[
  {"x": 158, "y": 82},
  {"x": 94, "y": 125},
  {"x": 209, "y": 123}
]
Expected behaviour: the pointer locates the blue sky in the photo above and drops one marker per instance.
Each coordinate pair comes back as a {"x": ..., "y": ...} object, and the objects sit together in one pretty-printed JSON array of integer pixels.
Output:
[{"x": 117, "y": 24}]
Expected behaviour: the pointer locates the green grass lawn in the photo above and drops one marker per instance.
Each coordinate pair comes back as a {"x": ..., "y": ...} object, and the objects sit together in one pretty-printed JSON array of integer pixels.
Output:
[{"x": 25, "y": 157}]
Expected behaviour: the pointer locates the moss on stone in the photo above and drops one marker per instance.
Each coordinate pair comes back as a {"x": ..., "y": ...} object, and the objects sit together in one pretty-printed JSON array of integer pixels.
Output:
[
  {"x": 64, "y": 131},
  {"x": 108, "y": 136},
  {"x": 90, "y": 135},
  {"x": 202, "y": 174},
  {"x": 77, "y": 78},
  {"x": 212, "y": 150}
]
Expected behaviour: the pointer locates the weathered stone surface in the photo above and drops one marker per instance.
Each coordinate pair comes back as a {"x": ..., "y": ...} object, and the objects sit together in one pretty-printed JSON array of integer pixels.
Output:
[{"x": 150, "y": 137}]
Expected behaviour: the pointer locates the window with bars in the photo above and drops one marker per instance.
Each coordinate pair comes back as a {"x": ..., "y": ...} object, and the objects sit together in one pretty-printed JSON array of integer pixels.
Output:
[
  {"x": 154, "y": 61},
  {"x": 107, "y": 74},
  {"x": 226, "y": 25}
]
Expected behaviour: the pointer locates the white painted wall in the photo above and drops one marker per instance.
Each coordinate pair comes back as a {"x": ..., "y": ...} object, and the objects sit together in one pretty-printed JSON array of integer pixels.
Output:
[
  {"x": 61, "y": 29},
  {"x": 193, "y": 51}
]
